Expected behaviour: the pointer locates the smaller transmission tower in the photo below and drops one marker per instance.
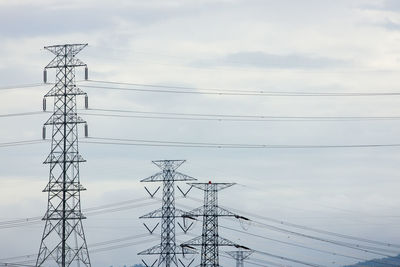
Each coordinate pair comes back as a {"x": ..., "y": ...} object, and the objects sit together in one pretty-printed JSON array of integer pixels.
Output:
[
  {"x": 168, "y": 176},
  {"x": 210, "y": 241},
  {"x": 240, "y": 255}
]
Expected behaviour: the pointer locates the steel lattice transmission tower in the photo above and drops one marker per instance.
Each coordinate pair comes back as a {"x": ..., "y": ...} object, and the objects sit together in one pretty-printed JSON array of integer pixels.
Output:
[
  {"x": 63, "y": 243},
  {"x": 167, "y": 248},
  {"x": 210, "y": 241},
  {"x": 240, "y": 255}
]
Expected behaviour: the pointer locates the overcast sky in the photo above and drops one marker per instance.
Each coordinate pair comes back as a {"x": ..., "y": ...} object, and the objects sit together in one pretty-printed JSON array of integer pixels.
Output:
[{"x": 320, "y": 46}]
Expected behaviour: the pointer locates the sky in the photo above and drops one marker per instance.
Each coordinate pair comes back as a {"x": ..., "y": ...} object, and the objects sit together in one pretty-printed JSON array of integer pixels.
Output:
[{"x": 319, "y": 46}]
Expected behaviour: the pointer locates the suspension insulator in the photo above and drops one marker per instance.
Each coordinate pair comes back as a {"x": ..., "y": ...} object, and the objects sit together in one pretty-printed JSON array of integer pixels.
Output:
[
  {"x": 44, "y": 132},
  {"x": 86, "y": 73},
  {"x": 44, "y": 104},
  {"x": 45, "y": 76},
  {"x": 86, "y": 102},
  {"x": 86, "y": 130}
]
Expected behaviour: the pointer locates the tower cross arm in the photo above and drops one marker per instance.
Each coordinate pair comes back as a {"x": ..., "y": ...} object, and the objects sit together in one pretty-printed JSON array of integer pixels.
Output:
[
  {"x": 72, "y": 49},
  {"x": 175, "y": 176},
  {"x": 158, "y": 177},
  {"x": 221, "y": 241},
  {"x": 197, "y": 212},
  {"x": 159, "y": 214},
  {"x": 58, "y": 62},
  {"x": 157, "y": 250},
  {"x": 216, "y": 186},
  {"x": 154, "y": 214},
  {"x": 240, "y": 254},
  {"x": 151, "y": 251}
]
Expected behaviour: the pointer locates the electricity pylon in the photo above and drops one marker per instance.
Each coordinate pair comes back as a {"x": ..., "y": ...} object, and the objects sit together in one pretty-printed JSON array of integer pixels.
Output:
[
  {"x": 240, "y": 255},
  {"x": 63, "y": 242},
  {"x": 210, "y": 241},
  {"x": 168, "y": 176}
]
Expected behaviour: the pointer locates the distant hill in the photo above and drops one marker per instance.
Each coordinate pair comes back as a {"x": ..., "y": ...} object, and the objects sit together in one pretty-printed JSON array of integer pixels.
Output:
[{"x": 385, "y": 262}]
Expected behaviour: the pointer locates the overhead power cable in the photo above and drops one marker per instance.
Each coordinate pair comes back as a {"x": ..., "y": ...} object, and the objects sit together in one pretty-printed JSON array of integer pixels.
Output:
[
  {"x": 287, "y": 259},
  {"x": 108, "y": 208},
  {"x": 123, "y": 245},
  {"x": 209, "y": 117},
  {"x": 307, "y": 228},
  {"x": 248, "y": 259},
  {"x": 21, "y": 114},
  {"x": 320, "y": 231},
  {"x": 99, "y": 244},
  {"x": 21, "y": 86},
  {"x": 364, "y": 248},
  {"x": 103, "y": 245},
  {"x": 306, "y": 247},
  {"x": 16, "y": 264},
  {"x": 163, "y": 143},
  {"x": 21, "y": 143},
  {"x": 19, "y": 257},
  {"x": 359, "y": 247},
  {"x": 227, "y": 117},
  {"x": 159, "y": 88},
  {"x": 258, "y": 262}
]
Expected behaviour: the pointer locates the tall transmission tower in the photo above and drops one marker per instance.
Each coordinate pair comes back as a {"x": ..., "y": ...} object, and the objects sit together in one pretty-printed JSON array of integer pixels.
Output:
[
  {"x": 63, "y": 242},
  {"x": 240, "y": 255},
  {"x": 210, "y": 241},
  {"x": 167, "y": 249}
]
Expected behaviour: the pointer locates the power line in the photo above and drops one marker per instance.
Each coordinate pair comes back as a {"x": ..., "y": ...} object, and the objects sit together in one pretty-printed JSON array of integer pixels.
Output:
[
  {"x": 19, "y": 257},
  {"x": 212, "y": 117},
  {"x": 99, "y": 244},
  {"x": 359, "y": 247},
  {"x": 230, "y": 117},
  {"x": 20, "y": 143},
  {"x": 103, "y": 243},
  {"x": 177, "y": 91},
  {"x": 108, "y": 208},
  {"x": 35, "y": 220},
  {"x": 218, "y": 91},
  {"x": 116, "y": 204},
  {"x": 21, "y": 114},
  {"x": 162, "y": 143},
  {"x": 21, "y": 86},
  {"x": 287, "y": 259},
  {"x": 320, "y": 231},
  {"x": 259, "y": 261},
  {"x": 15, "y": 264},
  {"x": 368, "y": 249},
  {"x": 365, "y": 240},
  {"x": 302, "y": 246},
  {"x": 122, "y": 245}
]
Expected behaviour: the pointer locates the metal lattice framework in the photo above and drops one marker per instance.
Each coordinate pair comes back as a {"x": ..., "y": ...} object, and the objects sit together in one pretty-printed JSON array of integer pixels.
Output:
[
  {"x": 210, "y": 241},
  {"x": 240, "y": 255},
  {"x": 167, "y": 249},
  {"x": 63, "y": 242}
]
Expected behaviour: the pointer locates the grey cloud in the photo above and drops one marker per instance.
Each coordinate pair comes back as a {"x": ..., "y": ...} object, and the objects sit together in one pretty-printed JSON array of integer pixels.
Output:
[
  {"x": 389, "y": 5},
  {"x": 266, "y": 60},
  {"x": 35, "y": 19},
  {"x": 390, "y": 25},
  {"x": 392, "y": 5}
]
